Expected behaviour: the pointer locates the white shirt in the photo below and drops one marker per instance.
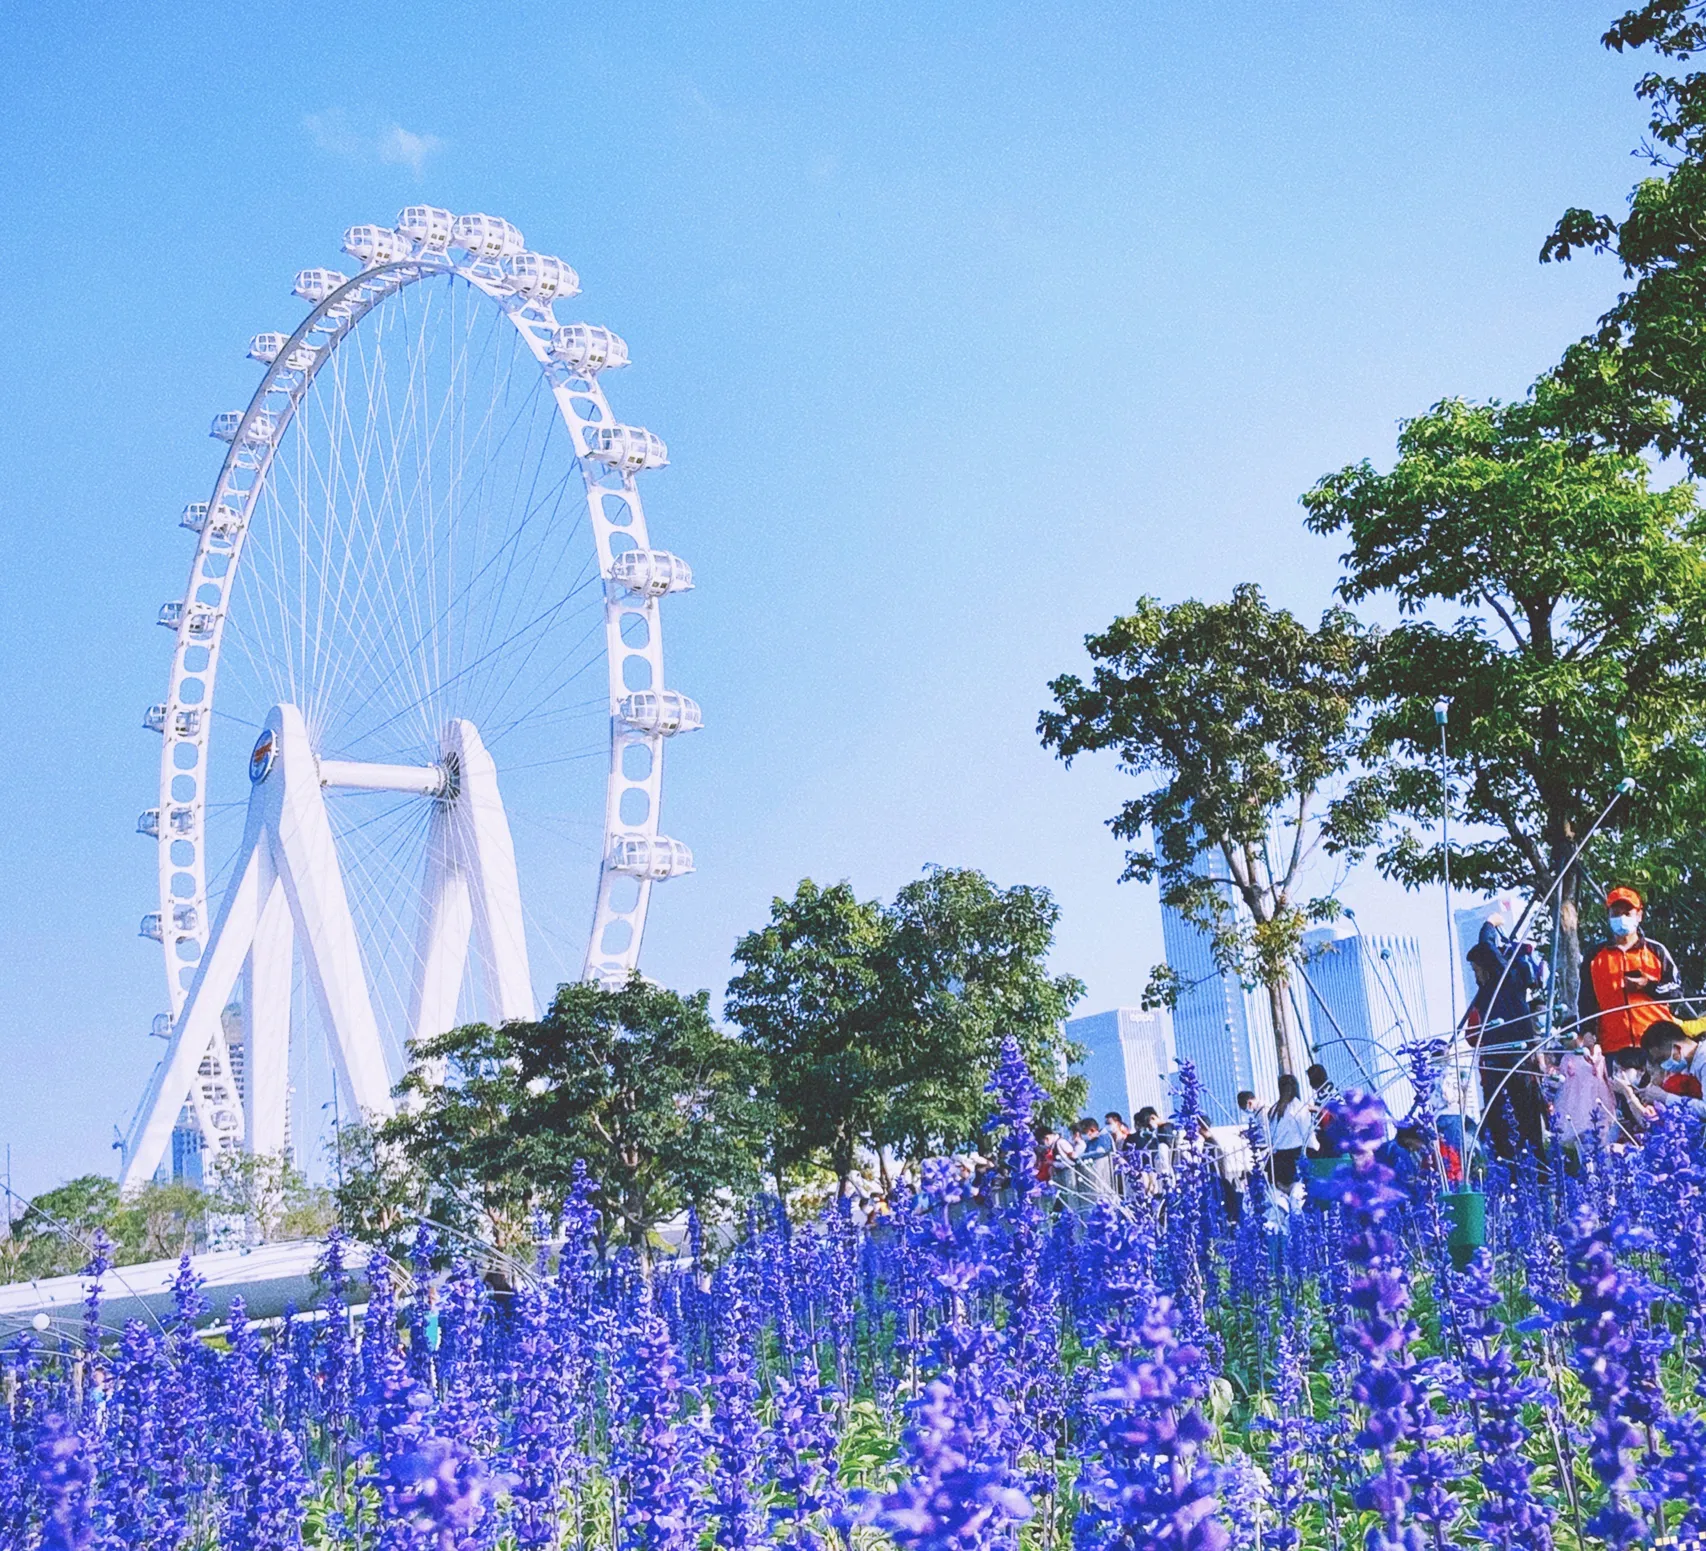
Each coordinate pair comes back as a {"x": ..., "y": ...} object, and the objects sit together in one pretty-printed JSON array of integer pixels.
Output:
[{"x": 1294, "y": 1128}]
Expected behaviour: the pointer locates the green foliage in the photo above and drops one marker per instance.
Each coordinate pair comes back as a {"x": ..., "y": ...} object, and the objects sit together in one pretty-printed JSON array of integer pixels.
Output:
[
  {"x": 1640, "y": 380},
  {"x": 662, "y": 1105},
  {"x": 1576, "y": 663},
  {"x": 51, "y": 1237},
  {"x": 966, "y": 965},
  {"x": 271, "y": 1195},
  {"x": 880, "y": 1025},
  {"x": 380, "y": 1195},
  {"x": 1242, "y": 714},
  {"x": 809, "y": 998}
]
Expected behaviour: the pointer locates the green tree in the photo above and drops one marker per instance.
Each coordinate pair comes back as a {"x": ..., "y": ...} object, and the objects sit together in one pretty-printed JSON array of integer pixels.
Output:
[
  {"x": 1575, "y": 663},
  {"x": 1640, "y": 379},
  {"x": 379, "y": 1194},
  {"x": 966, "y": 963},
  {"x": 271, "y": 1195},
  {"x": 661, "y": 1104},
  {"x": 880, "y": 1025},
  {"x": 51, "y": 1236},
  {"x": 160, "y": 1221},
  {"x": 1241, "y": 715},
  {"x": 809, "y": 998}
]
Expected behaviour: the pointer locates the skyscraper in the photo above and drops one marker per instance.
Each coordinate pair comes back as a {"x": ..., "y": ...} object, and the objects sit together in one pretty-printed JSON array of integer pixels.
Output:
[
  {"x": 1128, "y": 1054},
  {"x": 1226, "y": 1031},
  {"x": 1366, "y": 1000}
]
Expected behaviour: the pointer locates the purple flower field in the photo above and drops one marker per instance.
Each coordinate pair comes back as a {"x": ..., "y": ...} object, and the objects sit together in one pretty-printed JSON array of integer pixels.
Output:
[{"x": 970, "y": 1374}]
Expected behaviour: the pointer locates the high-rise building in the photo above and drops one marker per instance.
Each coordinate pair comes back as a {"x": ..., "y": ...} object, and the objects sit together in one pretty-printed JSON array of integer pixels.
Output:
[
  {"x": 1128, "y": 1054},
  {"x": 1225, "y": 1030},
  {"x": 1366, "y": 1001}
]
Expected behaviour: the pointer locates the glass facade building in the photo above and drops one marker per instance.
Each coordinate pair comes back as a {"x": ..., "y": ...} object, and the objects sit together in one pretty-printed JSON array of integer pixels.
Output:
[{"x": 1128, "y": 1055}]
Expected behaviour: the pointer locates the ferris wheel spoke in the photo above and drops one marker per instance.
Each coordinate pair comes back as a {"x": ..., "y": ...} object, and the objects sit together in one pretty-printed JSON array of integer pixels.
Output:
[{"x": 417, "y": 545}]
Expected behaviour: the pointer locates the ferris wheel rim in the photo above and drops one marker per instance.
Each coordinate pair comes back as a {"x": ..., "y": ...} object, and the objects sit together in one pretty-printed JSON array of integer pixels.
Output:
[{"x": 627, "y": 850}]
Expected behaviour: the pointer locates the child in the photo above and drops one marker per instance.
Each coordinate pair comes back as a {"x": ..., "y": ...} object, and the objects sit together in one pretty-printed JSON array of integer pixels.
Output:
[{"x": 1675, "y": 1049}]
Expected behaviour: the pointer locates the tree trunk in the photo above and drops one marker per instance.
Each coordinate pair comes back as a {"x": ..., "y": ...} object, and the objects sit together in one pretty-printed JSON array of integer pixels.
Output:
[
  {"x": 1279, "y": 1010},
  {"x": 1569, "y": 951}
]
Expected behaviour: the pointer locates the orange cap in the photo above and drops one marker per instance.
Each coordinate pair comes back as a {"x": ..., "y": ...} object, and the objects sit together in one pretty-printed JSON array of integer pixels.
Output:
[{"x": 1623, "y": 896}]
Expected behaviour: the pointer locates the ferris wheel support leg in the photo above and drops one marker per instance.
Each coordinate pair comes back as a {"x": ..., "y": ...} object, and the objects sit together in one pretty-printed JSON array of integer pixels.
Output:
[
  {"x": 266, "y": 1019},
  {"x": 496, "y": 890},
  {"x": 307, "y": 860},
  {"x": 198, "y": 1026},
  {"x": 447, "y": 917}
]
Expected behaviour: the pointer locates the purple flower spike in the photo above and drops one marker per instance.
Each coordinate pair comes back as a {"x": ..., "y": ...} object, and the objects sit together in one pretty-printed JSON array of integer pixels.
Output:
[
  {"x": 63, "y": 1474},
  {"x": 956, "y": 1497},
  {"x": 1148, "y": 1486}
]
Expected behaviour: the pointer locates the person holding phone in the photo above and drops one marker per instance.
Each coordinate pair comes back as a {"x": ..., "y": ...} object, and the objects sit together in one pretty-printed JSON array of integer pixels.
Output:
[{"x": 1629, "y": 982}]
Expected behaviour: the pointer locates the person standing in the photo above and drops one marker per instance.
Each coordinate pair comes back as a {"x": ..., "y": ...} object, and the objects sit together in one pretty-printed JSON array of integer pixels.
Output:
[
  {"x": 1291, "y": 1122},
  {"x": 1584, "y": 1110},
  {"x": 1629, "y": 982},
  {"x": 1501, "y": 1028}
]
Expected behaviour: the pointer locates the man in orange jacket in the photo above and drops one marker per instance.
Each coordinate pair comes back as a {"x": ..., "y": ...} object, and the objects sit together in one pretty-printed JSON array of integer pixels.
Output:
[{"x": 1630, "y": 982}]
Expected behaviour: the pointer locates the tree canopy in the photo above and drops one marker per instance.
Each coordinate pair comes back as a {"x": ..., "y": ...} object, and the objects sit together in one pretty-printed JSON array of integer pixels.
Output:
[
  {"x": 880, "y": 1025},
  {"x": 663, "y": 1107},
  {"x": 1240, "y": 714},
  {"x": 1575, "y": 660}
]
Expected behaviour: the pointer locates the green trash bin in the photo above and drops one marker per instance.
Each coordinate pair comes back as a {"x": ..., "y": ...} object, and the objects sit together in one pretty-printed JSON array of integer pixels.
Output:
[{"x": 1466, "y": 1211}]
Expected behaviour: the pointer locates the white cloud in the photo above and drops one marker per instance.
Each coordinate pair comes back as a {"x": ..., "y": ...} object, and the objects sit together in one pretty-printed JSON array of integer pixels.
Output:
[
  {"x": 404, "y": 148},
  {"x": 393, "y": 146}
]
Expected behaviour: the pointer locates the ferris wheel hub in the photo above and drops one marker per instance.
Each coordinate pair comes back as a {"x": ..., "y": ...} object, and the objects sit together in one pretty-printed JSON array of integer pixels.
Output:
[{"x": 340, "y": 558}]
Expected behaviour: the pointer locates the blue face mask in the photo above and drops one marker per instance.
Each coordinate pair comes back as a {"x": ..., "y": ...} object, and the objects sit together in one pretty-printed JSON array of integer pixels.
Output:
[
  {"x": 1676, "y": 1064},
  {"x": 1623, "y": 926}
]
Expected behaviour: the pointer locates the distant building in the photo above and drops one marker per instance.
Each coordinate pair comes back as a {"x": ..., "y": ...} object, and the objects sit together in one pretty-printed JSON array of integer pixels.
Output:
[
  {"x": 1366, "y": 1000},
  {"x": 1226, "y": 1031},
  {"x": 185, "y": 1161},
  {"x": 1127, "y": 1056},
  {"x": 186, "y": 1150}
]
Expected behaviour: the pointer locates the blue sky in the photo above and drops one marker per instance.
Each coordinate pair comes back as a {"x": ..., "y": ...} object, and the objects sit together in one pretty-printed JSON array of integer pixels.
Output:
[{"x": 965, "y": 325}]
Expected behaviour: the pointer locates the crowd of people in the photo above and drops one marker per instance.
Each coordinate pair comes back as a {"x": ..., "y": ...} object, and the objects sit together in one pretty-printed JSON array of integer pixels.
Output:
[{"x": 1635, "y": 1046}]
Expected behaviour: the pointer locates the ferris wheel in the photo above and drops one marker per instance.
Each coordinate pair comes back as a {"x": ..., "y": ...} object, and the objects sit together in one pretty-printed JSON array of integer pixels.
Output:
[{"x": 416, "y": 699}]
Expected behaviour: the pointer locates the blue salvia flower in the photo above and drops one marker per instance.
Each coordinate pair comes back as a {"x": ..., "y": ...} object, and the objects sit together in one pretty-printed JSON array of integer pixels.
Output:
[
  {"x": 1033, "y": 1333},
  {"x": 467, "y": 1411},
  {"x": 802, "y": 1459},
  {"x": 63, "y": 1474},
  {"x": 100, "y": 1262},
  {"x": 183, "y": 1404},
  {"x": 1116, "y": 1269},
  {"x": 1148, "y": 1485},
  {"x": 132, "y": 1512},
  {"x": 654, "y": 1455},
  {"x": 380, "y": 1360},
  {"x": 1511, "y": 1516},
  {"x": 1290, "y": 1436},
  {"x": 958, "y": 1494},
  {"x": 278, "y": 1490},
  {"x": 1619, "y": 1371},
  {"x": 421, "y": 1255},
  {"x": 14, "y": 1500},
  {"x": 432, "y": 1490},
  {"x": 736, "y": 1435},
  {"x": 336, "y": 1366},
  {"x": 1378, "y": 1328},
  {"x": 1682, "y": 1475},
  {"x": 543, "y": 1408}
]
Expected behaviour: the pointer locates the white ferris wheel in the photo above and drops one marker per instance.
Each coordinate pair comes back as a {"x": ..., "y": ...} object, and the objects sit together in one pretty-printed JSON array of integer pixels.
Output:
[{"x": 417, "y": 679}]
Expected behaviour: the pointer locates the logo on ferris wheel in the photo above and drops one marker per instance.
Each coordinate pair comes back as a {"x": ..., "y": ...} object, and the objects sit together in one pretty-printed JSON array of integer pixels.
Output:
[{"x": 262, "y": 758}]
